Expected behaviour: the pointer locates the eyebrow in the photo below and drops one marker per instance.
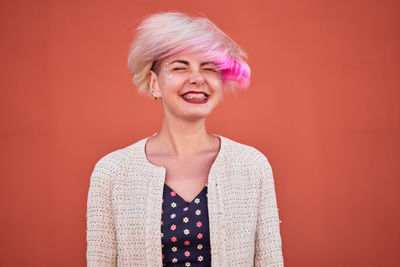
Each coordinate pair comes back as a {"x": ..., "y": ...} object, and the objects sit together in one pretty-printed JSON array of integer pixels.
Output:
[{"x": 187, "y": 63}]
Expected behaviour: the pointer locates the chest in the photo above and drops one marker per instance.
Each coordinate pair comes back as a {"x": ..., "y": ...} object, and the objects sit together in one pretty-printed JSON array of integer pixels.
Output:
[
  {"x": 232, "y": 208},
  {"x": 187, "y": 176}
]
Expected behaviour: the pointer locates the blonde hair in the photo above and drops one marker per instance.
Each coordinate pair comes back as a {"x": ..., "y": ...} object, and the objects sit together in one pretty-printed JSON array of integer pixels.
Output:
[{"x": 163, "y": 34}]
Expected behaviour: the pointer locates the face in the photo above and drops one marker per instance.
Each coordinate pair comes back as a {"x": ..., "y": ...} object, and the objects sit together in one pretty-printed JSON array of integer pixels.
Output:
[{"x": 182, "y": 73}]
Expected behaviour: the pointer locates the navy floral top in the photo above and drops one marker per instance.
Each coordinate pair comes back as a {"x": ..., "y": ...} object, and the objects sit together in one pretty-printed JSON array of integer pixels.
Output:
[{"x": 185, "y": 231}]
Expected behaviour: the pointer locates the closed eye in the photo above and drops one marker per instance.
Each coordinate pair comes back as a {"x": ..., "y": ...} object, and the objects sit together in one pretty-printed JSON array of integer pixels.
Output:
[{"x": 210, "y": 69}]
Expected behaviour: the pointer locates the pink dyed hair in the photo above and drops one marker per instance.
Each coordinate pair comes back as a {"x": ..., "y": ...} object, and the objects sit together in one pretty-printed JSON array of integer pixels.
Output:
[{"x": 163, "y": 34}]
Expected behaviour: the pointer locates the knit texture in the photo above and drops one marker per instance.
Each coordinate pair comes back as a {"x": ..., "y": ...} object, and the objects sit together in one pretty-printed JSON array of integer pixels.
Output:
[{"x": 125, "y": 201}]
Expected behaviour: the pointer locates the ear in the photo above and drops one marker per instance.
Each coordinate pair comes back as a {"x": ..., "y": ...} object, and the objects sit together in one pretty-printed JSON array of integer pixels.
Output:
[{"x": 153, "y": 83}]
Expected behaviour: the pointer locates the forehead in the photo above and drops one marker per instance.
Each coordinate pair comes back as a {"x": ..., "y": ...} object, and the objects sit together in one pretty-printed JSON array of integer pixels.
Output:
[{"x": 191, "y": 57}]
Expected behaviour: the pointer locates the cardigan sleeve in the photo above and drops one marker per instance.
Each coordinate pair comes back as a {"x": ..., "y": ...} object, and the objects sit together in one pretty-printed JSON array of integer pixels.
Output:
[
  {"x": 268, "y": 244},
  {"x": 100, "y": 231}
]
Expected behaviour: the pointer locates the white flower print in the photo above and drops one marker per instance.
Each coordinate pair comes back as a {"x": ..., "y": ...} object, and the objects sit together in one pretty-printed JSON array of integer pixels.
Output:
[
  {"x": 173, "y": 215},
  {"x": 173, "y": 204},
  {"x": 186, "y": 231},
  {"x": 199, "y": 246},
  {"x": 198, "y": 212},
  {"x": 197, "y": 200},
  {"x": 174, "y": 249},
  {"x": 185, "y": 219},
  {"x": 200, "y": 258}
]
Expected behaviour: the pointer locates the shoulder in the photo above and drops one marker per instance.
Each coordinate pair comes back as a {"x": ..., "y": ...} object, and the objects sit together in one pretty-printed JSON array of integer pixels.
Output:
[
  {"x": 248, "y": 162},
  {"x": 245, "y": 154},
  {"x": 121, "y": 158}
]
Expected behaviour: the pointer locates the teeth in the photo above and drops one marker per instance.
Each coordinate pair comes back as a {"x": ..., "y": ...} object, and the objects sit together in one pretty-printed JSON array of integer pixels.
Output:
[{"x": 195, "y": 96}]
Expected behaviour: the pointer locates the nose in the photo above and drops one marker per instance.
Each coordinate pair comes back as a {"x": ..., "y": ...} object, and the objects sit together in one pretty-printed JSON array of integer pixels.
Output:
[{"x": 196, "y": 78}]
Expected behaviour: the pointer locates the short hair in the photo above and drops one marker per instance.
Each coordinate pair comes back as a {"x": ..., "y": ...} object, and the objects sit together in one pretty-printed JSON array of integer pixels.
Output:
[{"x": 164, "y": 34}]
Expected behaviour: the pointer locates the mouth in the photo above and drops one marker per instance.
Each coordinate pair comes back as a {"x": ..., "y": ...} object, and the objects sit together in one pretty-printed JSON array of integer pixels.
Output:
[{"x": 197, "y": 97}]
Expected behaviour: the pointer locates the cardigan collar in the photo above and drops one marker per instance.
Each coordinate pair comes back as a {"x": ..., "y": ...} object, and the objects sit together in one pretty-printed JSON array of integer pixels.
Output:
[{"x": 156, "y": 175}]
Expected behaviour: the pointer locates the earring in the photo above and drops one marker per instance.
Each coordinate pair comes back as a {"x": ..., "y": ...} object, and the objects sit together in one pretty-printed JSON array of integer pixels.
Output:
[{"x": 154, "y": 96}]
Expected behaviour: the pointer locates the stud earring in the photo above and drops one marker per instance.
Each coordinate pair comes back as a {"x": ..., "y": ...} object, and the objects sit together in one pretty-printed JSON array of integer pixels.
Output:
[{"x": 154, "y": 96}]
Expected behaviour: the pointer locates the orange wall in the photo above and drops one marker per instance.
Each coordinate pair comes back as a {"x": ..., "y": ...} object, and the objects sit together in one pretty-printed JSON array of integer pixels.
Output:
[{"x": 323, "y": 105}]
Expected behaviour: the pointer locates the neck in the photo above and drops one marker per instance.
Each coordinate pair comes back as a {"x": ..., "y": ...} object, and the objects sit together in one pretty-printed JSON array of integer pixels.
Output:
[{"x": 181, "y": 138}]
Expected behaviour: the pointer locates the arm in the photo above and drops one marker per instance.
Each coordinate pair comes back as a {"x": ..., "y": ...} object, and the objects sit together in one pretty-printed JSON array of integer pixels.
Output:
[
  {"x": 100, "y": 231},
  {"x": 268, "y": 245}
]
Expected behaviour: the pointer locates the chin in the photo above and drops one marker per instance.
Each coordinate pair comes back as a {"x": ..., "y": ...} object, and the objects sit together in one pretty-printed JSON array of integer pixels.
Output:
[{"x": 196, "y": 115}]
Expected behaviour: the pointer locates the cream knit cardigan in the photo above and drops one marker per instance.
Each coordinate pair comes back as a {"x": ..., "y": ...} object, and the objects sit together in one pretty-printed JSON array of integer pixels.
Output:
[{"x": 125, "y": 200}]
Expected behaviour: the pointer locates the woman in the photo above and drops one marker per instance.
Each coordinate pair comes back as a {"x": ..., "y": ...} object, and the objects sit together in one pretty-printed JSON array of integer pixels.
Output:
[{"x": 184, "y": 197}]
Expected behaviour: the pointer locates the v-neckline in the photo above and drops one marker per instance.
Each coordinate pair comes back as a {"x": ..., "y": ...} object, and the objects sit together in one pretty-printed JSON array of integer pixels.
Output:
[{"x": 181, "y": 198}]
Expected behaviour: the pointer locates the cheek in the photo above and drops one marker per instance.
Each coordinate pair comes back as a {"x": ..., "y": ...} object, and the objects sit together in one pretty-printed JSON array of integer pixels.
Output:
[
  {"x": 215, "y": 84},
  {"x": 172, "y": 82},
  {"x": 174, "y": 77},
  {"x": 214, "y": 79},
  {"x": 167, "y": 77}
]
